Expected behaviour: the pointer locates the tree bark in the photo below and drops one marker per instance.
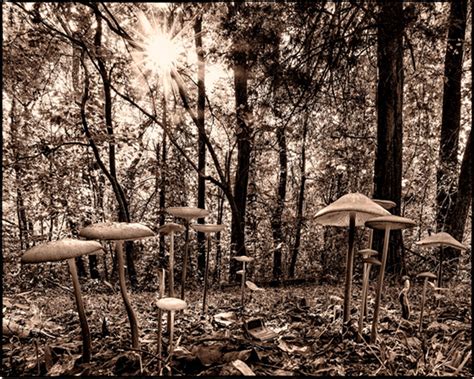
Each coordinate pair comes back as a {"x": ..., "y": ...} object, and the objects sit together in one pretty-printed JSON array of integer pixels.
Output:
[
  {"x": 201, "y": 102},
  {"x": 388, "y": 161},
  {"x": 450, "y": 123}
]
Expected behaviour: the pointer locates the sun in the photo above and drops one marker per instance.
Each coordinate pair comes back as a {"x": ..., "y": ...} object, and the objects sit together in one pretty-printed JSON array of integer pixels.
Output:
[{"x": 160, "y": 53}]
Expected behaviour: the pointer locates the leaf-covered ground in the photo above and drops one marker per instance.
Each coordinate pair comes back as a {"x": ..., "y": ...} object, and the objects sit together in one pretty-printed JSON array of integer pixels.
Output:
[{"x": 306, "y": 318}]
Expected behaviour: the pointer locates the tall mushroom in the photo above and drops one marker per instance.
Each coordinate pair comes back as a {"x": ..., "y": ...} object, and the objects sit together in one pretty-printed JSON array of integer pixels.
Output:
[
  {"x": 170, "y": 229},
  {"x": 68, "y": 249},
  {"x": 350, "y": 210},
  {"x": 441, "y": 239},
  {"x": 188, "y": 214},
  {"x": 244, "y": 259},
  {"x": 386, "y": 223},
  {"x": 207, "y": 229},
  {"x": 171, "y": 305},
  {"x": 368, "y": 261},
  {"x": 425, "y": 275},
  {"x": 120, "y": 232}
]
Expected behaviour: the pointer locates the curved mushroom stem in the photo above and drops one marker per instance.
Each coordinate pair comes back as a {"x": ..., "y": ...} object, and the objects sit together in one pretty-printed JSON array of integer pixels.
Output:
[
  {"x": 161, "y": 278},
  {"x": 185, "y": 262},
  {"x": 349, "y": 266},
  {"x": 440, "y": 270},
  {"x": 206, "y": 273},
  {"x": 242, "y": 287},
  {"x": 363, "y": 304},
  {"x": 86, "y": 336},
  {"x": 422, "y": 303},
  {"x": 123, "y": 290},
  {"x": 378, "y": 295}
]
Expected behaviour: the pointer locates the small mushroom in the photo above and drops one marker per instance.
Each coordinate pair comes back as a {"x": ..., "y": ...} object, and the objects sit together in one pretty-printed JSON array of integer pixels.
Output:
[
  {"x": 403, "y": 297},
  {"x": 366, "y": 253},
  {"x": 119, "y": 232},
  {"x": 385, "y": 223},
  {"x": 426, "y": 275},
  {"x": 244, "y": 259},
  {"x": 368, "y": 261},
  {"x": 441, "y": 239},
  {"x": 188, "y": 214},
  {"x": 68, "y": 249},
  {"x": 170, "y": 229},
  {"x": 350, "y": 210},
  {"x": 207, "y": 229},
  {"x": 171, "y": 305}
]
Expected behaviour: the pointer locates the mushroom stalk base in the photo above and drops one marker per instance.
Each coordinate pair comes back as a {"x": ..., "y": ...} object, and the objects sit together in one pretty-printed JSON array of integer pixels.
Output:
[
  {"x": 86, "y": 336},
  {"x": 123, "y": 290}
]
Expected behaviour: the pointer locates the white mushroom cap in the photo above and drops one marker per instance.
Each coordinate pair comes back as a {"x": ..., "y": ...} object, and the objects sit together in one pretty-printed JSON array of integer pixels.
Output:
[
  {"x": 391, "y": 221},
  {"x": 368, "y": 252},
  {"x": 171, "y": 227},
  {"x": 338, "y": 212},
  {"x": 171, "y": 304},
  {"x": 116, "y": 231},
  {"x": 372, "y": 261},
  {"x": 243, "y": 258},
  {"x": 426, "y": 274},
  {"x": 386, "y": 204},
  {"x": 187, "y": 213},
  {"x": 240, "y": 272},
  {"x": 441, "y": 239},
  {"x": 208, "y": 228},
  {"x": 66, "y": 248}
]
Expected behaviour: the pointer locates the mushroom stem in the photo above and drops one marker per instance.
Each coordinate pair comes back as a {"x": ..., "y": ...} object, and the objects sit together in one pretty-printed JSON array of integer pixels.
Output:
[
  {"x": 440, "y": 270},
  {"x": 185, "y": 262},
  {"x": 161, "y": 278},
  {"x": 242, "y": 286},
  {"x": 171, "y": 266},
  {"x": 365, "y": 283},
  {"x": 171, "y": 323},
  {"x": 365, "y": 295},
  {"x": 349, "y": 266},
  {"x": 378, "y": 295},
  {"x": 206, "y": 273},
  {"x": 123, "y": 290},
  {"x": 86, "y": 336},
  {"x": 422, "y": 303}
]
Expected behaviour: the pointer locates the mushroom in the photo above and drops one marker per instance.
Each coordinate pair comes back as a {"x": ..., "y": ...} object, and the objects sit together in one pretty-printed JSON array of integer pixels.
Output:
[
  {"x": 187, "y": 213},
  {"x": 161, "y": 280},
  {"x": 207, "y": 229},
  {"x": 244, "y": 259},
  {"x": 68, "y": 249},
  {"x": 441, "y": 239},
  {"x": 119, "y": 232},
  {"x": 385, "y": 223},
  {"x": 368, "y": 262},
  {"x": 403, "y": 297},
  {"x": 426, "y": 275},
  {"x": 366, "y": 253},
  {"x": 170, "y": 229},
  {"x": 171, "y": 305},
  {"x": 351, "y": 210}
]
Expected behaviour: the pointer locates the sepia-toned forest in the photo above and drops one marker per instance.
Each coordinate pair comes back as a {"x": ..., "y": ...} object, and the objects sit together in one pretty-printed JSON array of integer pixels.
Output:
[{"x": 246, "y": 152}]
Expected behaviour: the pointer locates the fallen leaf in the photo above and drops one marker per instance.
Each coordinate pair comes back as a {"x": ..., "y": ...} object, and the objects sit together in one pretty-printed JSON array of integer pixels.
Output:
[{"x": 243, "y": 367}]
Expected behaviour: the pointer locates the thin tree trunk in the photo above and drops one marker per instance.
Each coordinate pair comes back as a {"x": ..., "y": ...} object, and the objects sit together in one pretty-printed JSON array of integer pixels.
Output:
[
  {"x": 163, "y": 171},
  {"x": 450, "y": 124},
  {"x": 388, "y": 161}
]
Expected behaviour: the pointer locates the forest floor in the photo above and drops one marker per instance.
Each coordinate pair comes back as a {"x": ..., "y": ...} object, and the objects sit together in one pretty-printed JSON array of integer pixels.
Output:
[{"x": 308, "y": 342}]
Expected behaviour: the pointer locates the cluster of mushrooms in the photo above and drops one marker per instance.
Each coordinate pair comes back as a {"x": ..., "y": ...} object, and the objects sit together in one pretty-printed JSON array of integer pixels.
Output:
[
  {"x": 355, "y": 209},
  {"x": 351, "y": 210}
]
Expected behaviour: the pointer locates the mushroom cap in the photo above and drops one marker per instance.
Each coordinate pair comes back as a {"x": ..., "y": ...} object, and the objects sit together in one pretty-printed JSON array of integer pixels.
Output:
[
  {"x": 386, "y": 204},
  {"x": 426, "y": 274},
  {"x": 372, "y": 261},
  {"x": 441, "y": 239},
  {"x": 367, "y": 253},
  {"x": 116, "y": 231},
  {"x": 391, "y": 221},
  {"x": 187, "y": 213},
  {"x": 240, "y": 272},
  {"x": 208, "y": 228},
  {"x": 338, "y": 212},
  {"x": 171, "y": 227},
  {"x": 171, "y": 304},
  {"x": 54, "y": 251},
  {"x": 243, "y": 258}
]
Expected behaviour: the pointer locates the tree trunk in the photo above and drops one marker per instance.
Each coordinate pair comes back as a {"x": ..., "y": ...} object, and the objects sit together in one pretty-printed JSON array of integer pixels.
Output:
[
  {"x": 244, "y": 148},
  {"x": 162, "y": 182},
  {"x": 299, "y": 207},
  {"x": 388, "y": 161},
  {"x": 201, "y": 102},
  {"x": 446, "y": 174}
]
